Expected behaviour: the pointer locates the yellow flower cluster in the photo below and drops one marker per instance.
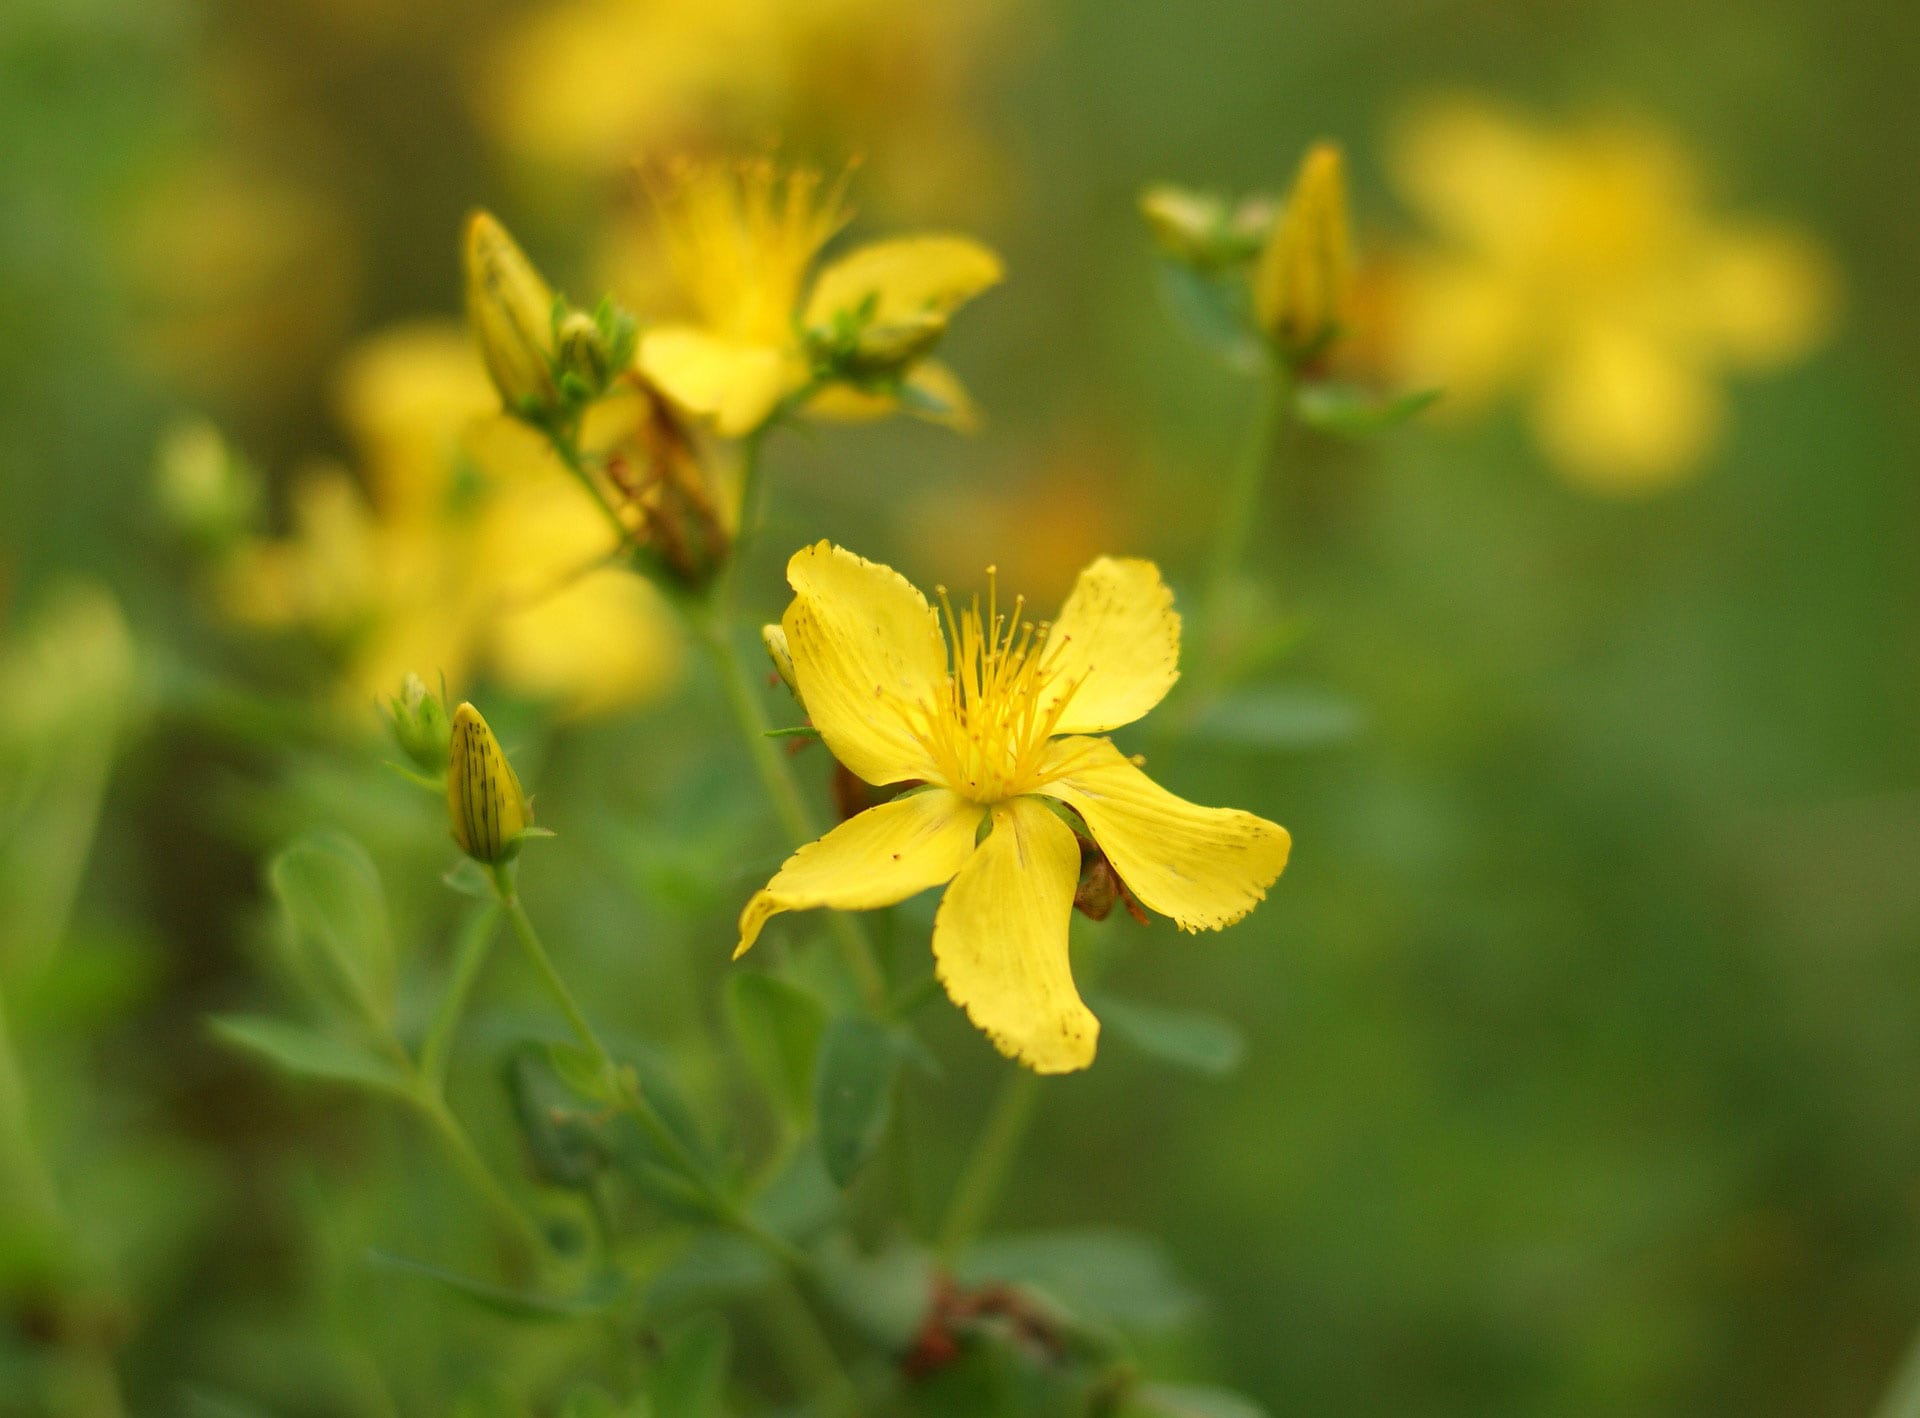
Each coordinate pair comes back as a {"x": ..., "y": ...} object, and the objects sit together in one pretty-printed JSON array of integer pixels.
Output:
[
  {"x": 1582, "y": 267},
  {"x": 466, "y": 548}
]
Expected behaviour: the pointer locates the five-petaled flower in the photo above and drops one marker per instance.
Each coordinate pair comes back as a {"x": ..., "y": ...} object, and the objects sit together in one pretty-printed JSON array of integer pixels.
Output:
[
  {"x": 742, "y": 238},
  {"x": 996, "y": 719}
]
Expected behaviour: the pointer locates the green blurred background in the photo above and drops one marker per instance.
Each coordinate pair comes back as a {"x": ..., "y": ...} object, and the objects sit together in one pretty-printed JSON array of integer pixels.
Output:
[{"x": 1584, "y": 1029}]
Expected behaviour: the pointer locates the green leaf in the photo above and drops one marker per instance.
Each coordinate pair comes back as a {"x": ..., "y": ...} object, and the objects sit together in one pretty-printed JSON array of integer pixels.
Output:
[
  {"x": 336, "y": 914},
  {"x": 1214, "y": 312},
  {"x": 299, "y": 1051},
  {"x": 687, "y": 1380},
  {"x": 601, "y": 1293},
  {"x": 469, "y": 878},
  {"x": 853, "y": 1095},
  {"x": 1348, "y": 412},
  {"x": 778, "y": 1027},
  {"x": 1114, "y": 1277},
  {"x": 1189, "y": 1401},
  {"x": 1278, "y": 719},
  {"x": 1202, "y": 1043},
  {"x": 582, "y": 1071},
  {"x": 563, "y": 1143}
]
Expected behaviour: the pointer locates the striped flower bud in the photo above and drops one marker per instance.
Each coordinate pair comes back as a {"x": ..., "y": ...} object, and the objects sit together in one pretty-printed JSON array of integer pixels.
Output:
[
  {"x": 510, "y": 308},
  {"x": 488, "y": 810}
]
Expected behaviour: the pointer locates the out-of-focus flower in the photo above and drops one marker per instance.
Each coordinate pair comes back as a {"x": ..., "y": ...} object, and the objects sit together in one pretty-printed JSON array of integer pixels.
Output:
[
  {"x": 996, "y": 723},
  {"x": 239, "y": 280},
  {"x": 1303, "y": 285},
  {"x": 1055, "y": 511},
  {"x": 581, "y": 86},
  {"x": 1583, "y": 267},
  {"x": 468, "y": 549},
  {"x": 485, "y": 804},
  {"x": 742, "y": 238}
]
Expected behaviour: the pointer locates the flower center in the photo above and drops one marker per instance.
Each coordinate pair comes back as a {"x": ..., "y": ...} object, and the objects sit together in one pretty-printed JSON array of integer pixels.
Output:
[
  {"x": 741, "y": 237},
  {"x": 989, "y": 726}
]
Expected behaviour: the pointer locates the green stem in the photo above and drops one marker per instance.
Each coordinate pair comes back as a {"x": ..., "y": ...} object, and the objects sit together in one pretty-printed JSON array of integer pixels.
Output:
[
  {"x": 521, "y": 1230},
  {"x": 470, "y": 956},
  {"x": 986, "y": 1171},
  {"x": 713, "y": 625},
  {"x": 628, "y": 1095},
  {"x": 25, "y": 1184},
  {"x": 806, "y": 1351},
  {"x": 1240, "y": 506},
  {"x": 576, "y": 464}
]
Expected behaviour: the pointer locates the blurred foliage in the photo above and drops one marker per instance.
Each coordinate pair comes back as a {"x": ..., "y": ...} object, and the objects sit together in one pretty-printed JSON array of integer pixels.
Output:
[{"x": 1577, "y": 1051}]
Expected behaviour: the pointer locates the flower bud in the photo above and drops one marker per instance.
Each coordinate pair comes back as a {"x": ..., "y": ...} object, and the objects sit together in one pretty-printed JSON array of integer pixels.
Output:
[
  {"x": 584, "y": 352},
  {"x": 510, "y": 309},
  {"x": 774, "y": 637},
  {"x": 1304, "y": 282},
  {"x": 205, "y": 491},
  {"x": 1199, "y": 229},
  {"x": 488, "y": 810},
  {"x": 419, "y": 723}
]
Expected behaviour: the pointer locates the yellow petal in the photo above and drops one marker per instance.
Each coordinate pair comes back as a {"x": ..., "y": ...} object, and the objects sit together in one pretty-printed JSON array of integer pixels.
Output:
[
  {"x": 485, "y": 803},
  {"x": 1000, "y": 940},
  {"x": 601, "y": 641},
  {"x": 884, "y": 855},
  {"x": 906, "y": 277},
  {"x": 1205, "y": 867},
  {"x": 866, "y": 649},
  {"x": 735, "y": 385},
  {"x": 1116, "y": 645},
  {"x": 1768, "y": 294},
  {"x": 1621, "y": 413}
]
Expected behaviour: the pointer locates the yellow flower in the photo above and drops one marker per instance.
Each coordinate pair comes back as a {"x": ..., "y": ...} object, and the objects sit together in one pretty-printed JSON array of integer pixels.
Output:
[
  {"x": 485, "y": 804},
  {"x": 742, "y": 239},
  {"x": 1583, "y": 268},
  {"x": 1303, "y": 285},
  {"x": 468, "y": 548},
  {"x": 997, "y": 722}
]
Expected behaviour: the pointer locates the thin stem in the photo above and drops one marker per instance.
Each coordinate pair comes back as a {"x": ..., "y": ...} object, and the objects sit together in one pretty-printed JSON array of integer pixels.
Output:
[
  {"x": 806, "y": 1350},
  {"x": 576, "y": 464},
  {"x": 1240, "y": 507},
  {"x": 25, "y": 1182},
  {"x": 470, "y": 956},
  {"x": 520, "y": 1228},
  {"x": 714, "y": 628},
  {"x": 629, "y": 1096},
  {"x": 978, "y": 1189},
  {"x": 536, "y": 953}
]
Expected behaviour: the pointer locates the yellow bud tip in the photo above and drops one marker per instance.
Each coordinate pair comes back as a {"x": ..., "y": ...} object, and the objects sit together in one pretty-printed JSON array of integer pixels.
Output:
[{"x": 1305, "y": 278}]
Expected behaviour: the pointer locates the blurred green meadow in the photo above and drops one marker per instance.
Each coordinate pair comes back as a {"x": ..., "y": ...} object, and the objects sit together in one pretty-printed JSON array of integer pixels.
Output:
[{"x": 1573, "y": 1066}]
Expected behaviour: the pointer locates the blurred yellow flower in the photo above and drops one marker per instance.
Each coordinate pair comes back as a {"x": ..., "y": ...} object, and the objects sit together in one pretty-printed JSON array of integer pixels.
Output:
[
  {"x": 997, "y": 723},
  {"x": 582, "y": 86},
  {"x": 469, "y": 548},
  {"x": 742, "y": 238},
  {"x": 1583, "y": 266}
]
